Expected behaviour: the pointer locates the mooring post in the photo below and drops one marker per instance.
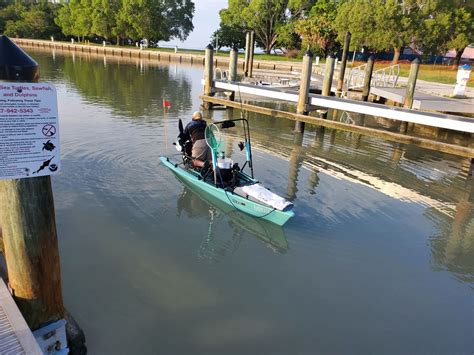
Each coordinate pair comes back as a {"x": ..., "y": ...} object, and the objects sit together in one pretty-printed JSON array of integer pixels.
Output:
[
  {"x": 410, "y": 92},
  {"x": 247, "y": 53},
  {"x": 302, "y": 106},
  {"x": 327, "y": 80},
  {"x": 233, "y": 64},
  {"x": 28, "y": 221},
  {"x": 208, "y": 75},
  {"x": 368, "y": 78},
  {"x": 328, "y": 74},
  {"x": 251, "y": 53},
  {"x": 345, "y": 53},
  {"x": 233, "y": 69}
]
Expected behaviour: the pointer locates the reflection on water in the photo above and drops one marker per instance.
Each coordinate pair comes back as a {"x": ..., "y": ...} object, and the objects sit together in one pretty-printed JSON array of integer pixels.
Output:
[
  {"x": 382, "y": 243},
  {"x": 195, "y": 203}
]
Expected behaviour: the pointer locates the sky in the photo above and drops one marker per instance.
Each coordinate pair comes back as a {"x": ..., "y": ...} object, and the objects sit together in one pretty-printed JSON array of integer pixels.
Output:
[{"x": 206, "y": 20}]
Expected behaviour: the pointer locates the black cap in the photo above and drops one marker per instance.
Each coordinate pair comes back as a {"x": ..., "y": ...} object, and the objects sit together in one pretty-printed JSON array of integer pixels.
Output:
[
  {"x": 209, "y": 46},
  {"x": 309, "y": 53},
  {"x": 15, "y": 64}
]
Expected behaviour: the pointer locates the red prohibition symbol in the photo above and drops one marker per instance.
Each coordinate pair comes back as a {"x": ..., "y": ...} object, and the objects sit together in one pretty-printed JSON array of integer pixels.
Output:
[{"x": 49, "y": 130}]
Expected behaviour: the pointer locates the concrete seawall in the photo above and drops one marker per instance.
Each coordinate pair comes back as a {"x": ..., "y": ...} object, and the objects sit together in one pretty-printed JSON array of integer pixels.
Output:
[{"x": 110, "y": 50}]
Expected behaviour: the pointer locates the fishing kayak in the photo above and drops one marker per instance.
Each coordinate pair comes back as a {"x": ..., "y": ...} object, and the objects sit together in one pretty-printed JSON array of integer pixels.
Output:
[{"x": 249, "y": 196}]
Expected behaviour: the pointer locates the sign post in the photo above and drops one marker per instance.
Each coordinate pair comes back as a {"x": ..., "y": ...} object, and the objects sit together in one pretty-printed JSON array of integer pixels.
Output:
[{"x": 29, "y": 153}]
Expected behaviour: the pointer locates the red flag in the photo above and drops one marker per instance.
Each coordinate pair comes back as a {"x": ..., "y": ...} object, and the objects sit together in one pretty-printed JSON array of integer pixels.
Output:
[{"x": 166, "y": 104}]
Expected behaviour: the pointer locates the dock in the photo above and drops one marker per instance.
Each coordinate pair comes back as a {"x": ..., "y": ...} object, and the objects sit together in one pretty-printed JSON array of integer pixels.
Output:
[
  {"x": 437, "y": 120},
  {"x": 15, "y": 335},
  {"x": 424, "y": 101}
]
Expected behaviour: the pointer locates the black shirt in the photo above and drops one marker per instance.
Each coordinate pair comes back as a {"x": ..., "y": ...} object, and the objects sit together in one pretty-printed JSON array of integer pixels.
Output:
[{"x": 195, "y": 130}]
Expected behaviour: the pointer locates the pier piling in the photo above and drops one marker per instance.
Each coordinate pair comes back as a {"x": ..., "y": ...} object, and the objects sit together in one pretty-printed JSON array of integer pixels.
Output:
[
  {"x": 208, "y": 75},
  {"x": 233, "y": 69},
  {"x": 410, "y": 92},
  {"x": 327, "y": 81},
  {"x": 302, "y": 105},
  {"x": 28, "y": 222},
  {"x": 345, "y": 53},
  {"x": 247, "y": 53},
  {"x": 368, "y": 78},
  {"x": 328, "y": 74},
  {"x": 251, "y": 53}
]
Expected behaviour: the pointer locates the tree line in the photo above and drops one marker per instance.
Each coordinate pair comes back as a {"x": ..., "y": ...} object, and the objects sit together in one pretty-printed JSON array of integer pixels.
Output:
[
  {"x": 430, "y": 26},
  {"x": 114, "y": 20}
]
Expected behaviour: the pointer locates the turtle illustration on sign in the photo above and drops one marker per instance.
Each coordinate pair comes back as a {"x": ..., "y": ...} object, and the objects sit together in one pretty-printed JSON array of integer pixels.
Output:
[
  {"x": 48, "y": 146},
  {"x": 44, "y": 165}
]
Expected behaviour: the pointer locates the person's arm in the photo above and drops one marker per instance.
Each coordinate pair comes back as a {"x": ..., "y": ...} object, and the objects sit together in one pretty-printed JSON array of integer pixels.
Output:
[{"x": 187, "y": 136}]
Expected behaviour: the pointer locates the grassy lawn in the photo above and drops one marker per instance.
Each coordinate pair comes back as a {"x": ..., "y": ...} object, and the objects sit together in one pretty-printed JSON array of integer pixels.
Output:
[{"x": 439, "y": 73}]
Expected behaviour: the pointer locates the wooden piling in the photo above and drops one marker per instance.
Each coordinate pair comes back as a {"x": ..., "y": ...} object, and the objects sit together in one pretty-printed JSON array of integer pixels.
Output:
[
  {"x": 302, "y": 105},
  {"x": 31, "y": 248},
  {"x": 328, "y": 74},
  {"x": 251, "y": 53},
  {"x": 368, "y": 78},
  {"x": 233, "y": 69},
  {"x": 345, "y": 53},
  {"x": 29, "y": 229},
  {"x": 327, "y": 80},
  {"x": 247, "y": 53},
  {"x": 233, "y": 64},
  {"x": 410, "y": 92},
  {"x": 208, "y": 75}
]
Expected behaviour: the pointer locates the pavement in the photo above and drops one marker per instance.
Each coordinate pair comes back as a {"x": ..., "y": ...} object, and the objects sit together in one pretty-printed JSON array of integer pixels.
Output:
[{"x": 438, "y": 89}]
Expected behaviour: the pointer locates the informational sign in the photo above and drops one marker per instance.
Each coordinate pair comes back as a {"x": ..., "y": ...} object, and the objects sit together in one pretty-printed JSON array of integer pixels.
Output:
[{"x": 29, "y": 134}]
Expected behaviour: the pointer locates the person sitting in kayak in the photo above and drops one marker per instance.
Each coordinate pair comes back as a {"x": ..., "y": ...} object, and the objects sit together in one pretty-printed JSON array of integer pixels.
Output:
[{"x": 194, "y": 131}]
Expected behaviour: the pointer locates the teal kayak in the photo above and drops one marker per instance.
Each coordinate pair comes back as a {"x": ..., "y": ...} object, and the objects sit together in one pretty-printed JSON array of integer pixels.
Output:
[
  {"x": 228, "y": 196},
  {"x": 269, "y": 233}
]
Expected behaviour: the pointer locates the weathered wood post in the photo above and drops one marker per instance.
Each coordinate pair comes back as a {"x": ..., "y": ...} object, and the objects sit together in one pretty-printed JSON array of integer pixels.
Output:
[
  {"x": 233, "y": 64},
  {"x": 251, "y": 53},
  {"x": 302, "y": 106},
  {"x": 368, "y": 78},
  {"x": 345, "y": 53},
  {"x": 28, "y": 222},
  {"x": 410, "y": 92},
  {"x": 328, "y": 74},
  {"x": 233, "y": 69},
  {"x": 247, "y": 53},
  {"x": 208, "y": 75}
]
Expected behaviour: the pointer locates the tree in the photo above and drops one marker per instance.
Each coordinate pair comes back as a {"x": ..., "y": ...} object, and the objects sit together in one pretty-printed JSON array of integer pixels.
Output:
[
  {"x": 231, "y": 36},
  {"x": 380, "y": 24},
  {"x": 448, "y": 24},
  {"x": 103, "y": 17},
  {"x": 262, "y": 16},
  {"x": 10, "y": 12},
  {"x": 135, "y": 19},
  {"x": 34, "y": 21},
  {"x": 75, "y": 18},
  {"x": 317, "y": 30}
]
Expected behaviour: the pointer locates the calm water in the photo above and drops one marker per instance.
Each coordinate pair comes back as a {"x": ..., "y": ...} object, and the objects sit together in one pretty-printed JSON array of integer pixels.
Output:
[{"x": 378, "y": 259}]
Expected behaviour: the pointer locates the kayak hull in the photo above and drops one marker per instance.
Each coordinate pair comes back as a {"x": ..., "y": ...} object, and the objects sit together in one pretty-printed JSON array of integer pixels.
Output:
[{"x": 238, "y": 202}]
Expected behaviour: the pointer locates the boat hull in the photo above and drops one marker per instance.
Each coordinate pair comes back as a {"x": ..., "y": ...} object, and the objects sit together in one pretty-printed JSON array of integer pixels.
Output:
[{"x": 238, "y": 202}]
